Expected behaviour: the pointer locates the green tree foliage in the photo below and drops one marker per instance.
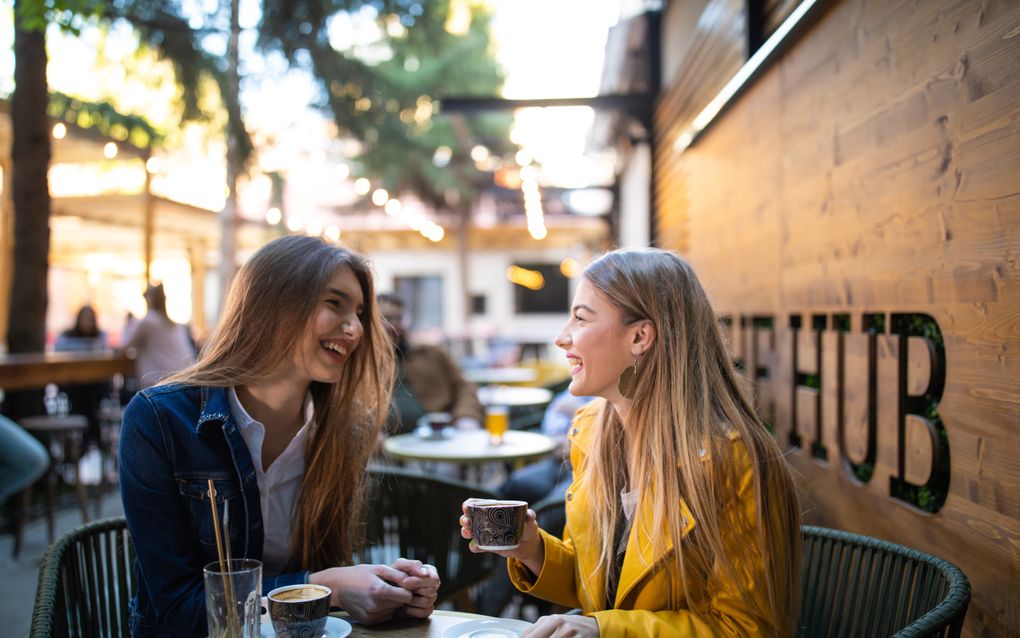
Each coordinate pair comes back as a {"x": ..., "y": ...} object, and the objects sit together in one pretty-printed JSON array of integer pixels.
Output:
[
  {"x": 387, "y": 100},
  {"x": 133, "y": 129},
  {"x": 158, "y": 23},
  {"x": 162, "y": 26}
]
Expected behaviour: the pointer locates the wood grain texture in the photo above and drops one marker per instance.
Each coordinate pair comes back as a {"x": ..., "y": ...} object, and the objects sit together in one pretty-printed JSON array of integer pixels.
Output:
[
  {"x": 31, "y": 371},
  {"x": 875, "y": 168}
]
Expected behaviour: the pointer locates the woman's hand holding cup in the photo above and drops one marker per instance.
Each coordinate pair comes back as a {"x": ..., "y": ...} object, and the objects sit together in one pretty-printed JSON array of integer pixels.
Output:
[{"x": 502, "y": 532}]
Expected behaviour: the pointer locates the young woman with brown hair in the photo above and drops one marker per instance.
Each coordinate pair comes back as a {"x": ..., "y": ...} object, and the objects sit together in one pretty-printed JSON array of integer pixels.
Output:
[
  {"x": 282, "y": 410},
  {"x": 683, "y": 518}
]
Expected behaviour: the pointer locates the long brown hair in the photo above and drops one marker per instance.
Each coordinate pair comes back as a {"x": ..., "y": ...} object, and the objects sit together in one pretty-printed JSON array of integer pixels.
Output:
[
  {"x": 687, "y": 402},
  {"x": 271, "y": 300}
]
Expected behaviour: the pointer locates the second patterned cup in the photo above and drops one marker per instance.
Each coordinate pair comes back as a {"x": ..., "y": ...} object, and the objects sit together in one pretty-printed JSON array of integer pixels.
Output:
[{"x": 497, "y": 524}]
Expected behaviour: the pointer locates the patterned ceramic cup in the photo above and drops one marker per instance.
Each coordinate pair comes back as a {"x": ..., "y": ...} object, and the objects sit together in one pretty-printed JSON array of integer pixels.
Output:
[
  {"x": 299, "y": 611},
  {"x": 497, "y": 525}
]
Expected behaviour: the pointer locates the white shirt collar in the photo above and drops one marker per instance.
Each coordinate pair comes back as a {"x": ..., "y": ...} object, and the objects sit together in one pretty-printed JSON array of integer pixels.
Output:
[{"x": 245, "y": 420}]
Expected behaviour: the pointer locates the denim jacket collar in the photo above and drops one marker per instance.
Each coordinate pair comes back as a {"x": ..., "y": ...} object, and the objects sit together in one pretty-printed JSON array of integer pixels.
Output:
[{"x": 215, "y": 408}]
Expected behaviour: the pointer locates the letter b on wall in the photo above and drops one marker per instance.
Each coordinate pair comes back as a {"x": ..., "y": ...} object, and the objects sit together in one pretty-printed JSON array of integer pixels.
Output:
[{"x": 918, "y": 413}]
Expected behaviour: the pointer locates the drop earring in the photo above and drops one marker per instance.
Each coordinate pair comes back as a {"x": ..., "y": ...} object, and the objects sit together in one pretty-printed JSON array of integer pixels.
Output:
[{"x": 628, "y": 381}]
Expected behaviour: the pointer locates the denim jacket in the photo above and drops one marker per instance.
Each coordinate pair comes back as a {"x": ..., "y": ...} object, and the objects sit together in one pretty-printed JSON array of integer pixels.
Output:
[{"x": 173, "y": 439}]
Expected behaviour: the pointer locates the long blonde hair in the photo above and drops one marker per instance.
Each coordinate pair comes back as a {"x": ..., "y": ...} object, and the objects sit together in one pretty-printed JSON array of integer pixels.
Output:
[
  {"x": 687, "y": 401},
  {"x": 271, "y": 301}
]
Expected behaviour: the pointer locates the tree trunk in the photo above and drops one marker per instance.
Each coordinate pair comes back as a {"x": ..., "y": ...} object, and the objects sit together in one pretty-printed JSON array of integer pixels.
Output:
[
  {"x": 30, "y": 158},
  {"x": 30, "y": 155}
]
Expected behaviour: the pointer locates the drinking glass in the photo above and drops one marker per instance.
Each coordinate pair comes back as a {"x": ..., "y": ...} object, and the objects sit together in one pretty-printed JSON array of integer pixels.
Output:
[
  {"x": 497, "y": 420},
  {"x": 233, "y": 598}
]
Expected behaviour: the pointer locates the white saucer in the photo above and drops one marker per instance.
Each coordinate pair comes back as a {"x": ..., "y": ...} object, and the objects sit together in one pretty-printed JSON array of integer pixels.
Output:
[
  {"x": 335, "y": 628},
  {"x": 428, "y": 434},
  {"x": 488, "y": 628}
]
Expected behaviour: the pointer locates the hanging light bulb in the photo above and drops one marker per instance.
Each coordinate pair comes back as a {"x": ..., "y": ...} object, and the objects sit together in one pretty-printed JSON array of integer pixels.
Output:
[
  {"x": 441, "y": 158},
  {"x": 479, "y": 153}
]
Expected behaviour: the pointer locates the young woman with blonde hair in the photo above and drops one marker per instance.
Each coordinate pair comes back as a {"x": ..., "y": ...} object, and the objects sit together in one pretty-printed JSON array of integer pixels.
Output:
[
  {"x": 683, "y": 517},
  {"x": 282, "y": 410}
]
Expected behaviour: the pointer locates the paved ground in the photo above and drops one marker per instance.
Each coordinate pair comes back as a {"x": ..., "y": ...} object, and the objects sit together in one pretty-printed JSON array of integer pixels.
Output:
[{"x": 18, "y": 577}]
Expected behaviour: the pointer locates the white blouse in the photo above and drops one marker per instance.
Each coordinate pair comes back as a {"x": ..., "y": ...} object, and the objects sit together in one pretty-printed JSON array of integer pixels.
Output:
[{"x": 278, "y": 485}]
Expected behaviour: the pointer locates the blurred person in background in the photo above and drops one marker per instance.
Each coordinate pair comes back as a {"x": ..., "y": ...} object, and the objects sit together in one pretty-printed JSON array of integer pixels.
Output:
[
  {"x": 683, "y": 518},
  {"x": 84, "y": 335},
  {"x": 85, "y": 398},
  {"x": 161, "y": 346},
  {"x": 427, "y": 379},
  {"x": 282, "y": 411}
]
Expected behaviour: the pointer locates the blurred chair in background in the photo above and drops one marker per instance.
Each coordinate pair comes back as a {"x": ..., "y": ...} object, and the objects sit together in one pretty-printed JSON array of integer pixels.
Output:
[
  {"x": 61, "y": 435},
  {"x": 414, "y": 515}
]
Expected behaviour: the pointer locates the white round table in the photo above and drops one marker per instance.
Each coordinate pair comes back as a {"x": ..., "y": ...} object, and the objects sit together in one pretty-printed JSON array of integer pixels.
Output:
[
  {"x": 513, "y": 396},
  {"x": 486, "y": 376},
  {"x": 470, "y": 447}
]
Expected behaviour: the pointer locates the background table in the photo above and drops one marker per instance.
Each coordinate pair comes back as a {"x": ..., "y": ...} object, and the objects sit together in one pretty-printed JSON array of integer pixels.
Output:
[
  {"x": 35, "y": 370},
  {"x": 485, "y": 376},
  {"x": 513, "y": 396},
  {"x": 432, "y": 627},
  {"x": 471, "y": 447}
]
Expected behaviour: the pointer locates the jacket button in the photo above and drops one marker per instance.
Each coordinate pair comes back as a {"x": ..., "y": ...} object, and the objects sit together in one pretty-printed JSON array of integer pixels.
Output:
[{"x": 570, "y": 495}]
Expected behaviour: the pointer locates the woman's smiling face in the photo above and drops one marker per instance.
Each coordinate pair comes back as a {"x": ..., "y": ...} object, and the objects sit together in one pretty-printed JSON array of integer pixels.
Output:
[
  {"x": 334, "y": 329},
  {"x": 598, "y": 344}
]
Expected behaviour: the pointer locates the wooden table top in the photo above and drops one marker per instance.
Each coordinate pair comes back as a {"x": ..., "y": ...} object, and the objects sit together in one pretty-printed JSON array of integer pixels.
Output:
[
  {"x": 35, "y": 370},
  {"x": 470, "y": 447},
  {"x": 432, "y": 627}
]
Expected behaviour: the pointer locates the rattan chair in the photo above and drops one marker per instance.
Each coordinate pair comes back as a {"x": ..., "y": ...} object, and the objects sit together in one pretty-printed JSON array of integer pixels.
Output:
[
  {"x": 414, "y": 515},
  {"x": 86, "y": 582},
  {"x": 856, "y": 585}
]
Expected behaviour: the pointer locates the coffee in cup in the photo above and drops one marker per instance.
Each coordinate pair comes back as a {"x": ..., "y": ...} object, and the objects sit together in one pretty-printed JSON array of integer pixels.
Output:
[
  {"x": 299, "y": 611},
  {"x": 497, "y": 524}
]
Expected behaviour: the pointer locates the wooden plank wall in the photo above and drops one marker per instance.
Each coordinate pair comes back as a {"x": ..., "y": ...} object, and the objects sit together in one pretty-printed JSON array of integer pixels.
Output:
[
  {"x": 874, "y": 171},
  {"x": 717, "y": 53}
]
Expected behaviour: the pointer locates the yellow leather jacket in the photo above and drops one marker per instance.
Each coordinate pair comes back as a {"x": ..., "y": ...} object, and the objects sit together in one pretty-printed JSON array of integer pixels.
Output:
[{"x": 570, "y": 577}]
